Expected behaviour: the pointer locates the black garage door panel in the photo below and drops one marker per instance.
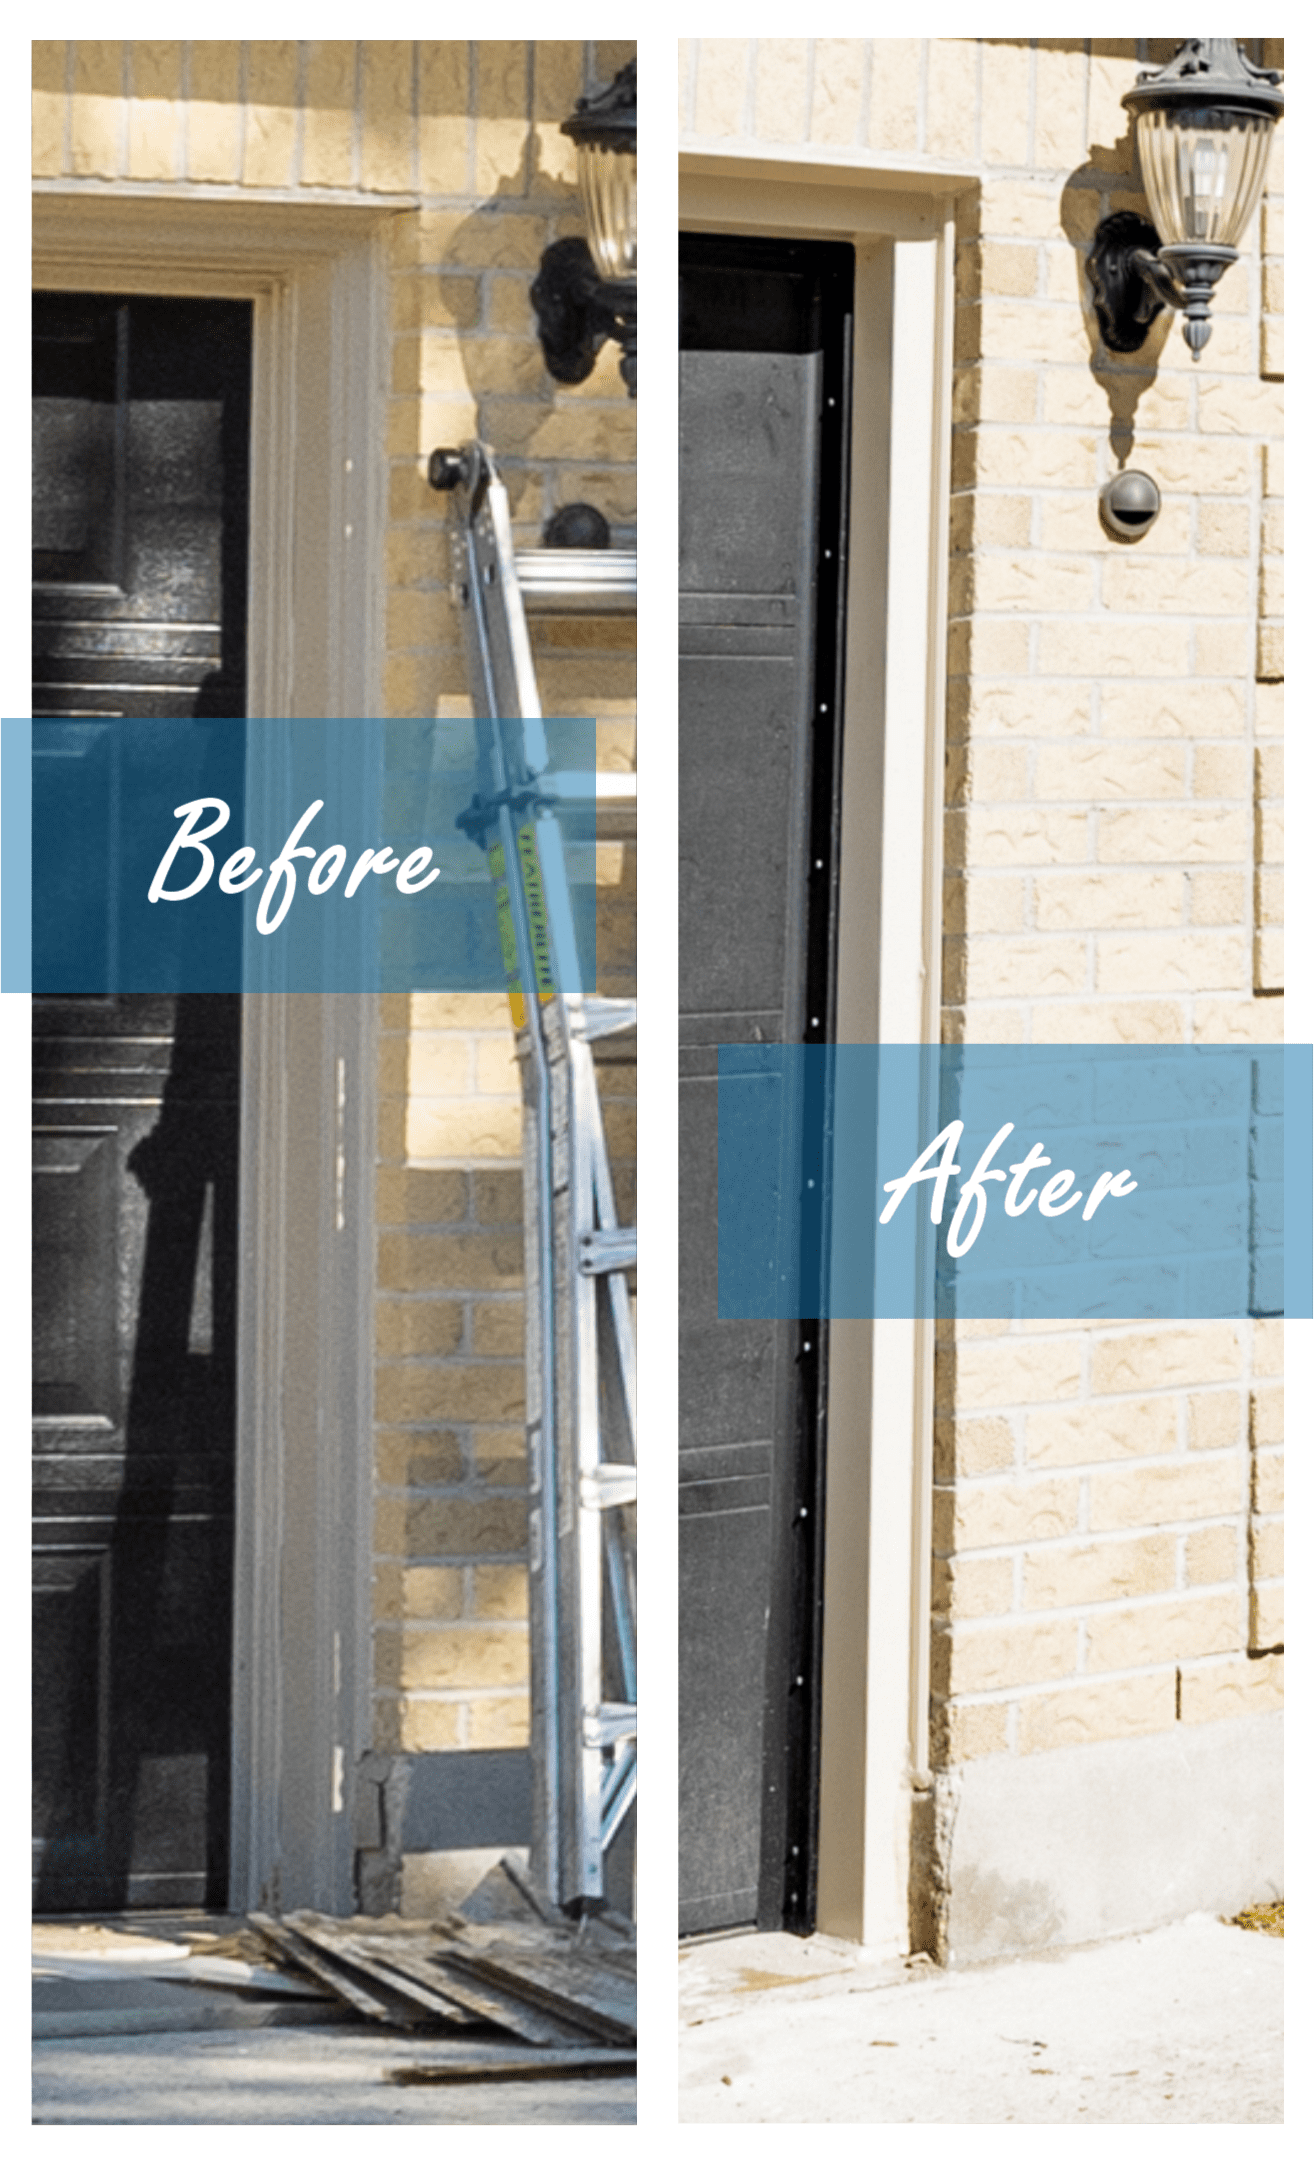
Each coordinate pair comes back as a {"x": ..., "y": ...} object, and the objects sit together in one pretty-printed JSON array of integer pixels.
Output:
[
  {"x": 727, "y": 1369},
  {"x": 739, "y": 837},
  {"x": 724, "y": 1556},
  {"x": 141, "y": 417},
  {"x": 762, "y": 367}
]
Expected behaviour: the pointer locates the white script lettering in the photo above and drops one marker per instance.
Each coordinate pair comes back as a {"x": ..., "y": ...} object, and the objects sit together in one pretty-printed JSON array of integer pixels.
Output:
[
  {"x": 241, "y": 870},
  {"x": 1053, "y": 1198},
  {"x": 188, "y": 838}
]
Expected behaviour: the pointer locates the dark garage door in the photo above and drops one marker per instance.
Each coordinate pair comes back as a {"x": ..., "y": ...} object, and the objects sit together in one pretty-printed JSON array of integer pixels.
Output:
[
  {"x": 140, "y": 471},
  {"x": 763, "y": 458}
]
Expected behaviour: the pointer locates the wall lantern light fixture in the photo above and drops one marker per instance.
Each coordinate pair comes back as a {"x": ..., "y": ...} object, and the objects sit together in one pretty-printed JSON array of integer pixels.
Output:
[
  {"x": 586, "y": 291},
  {"x": 1204, "y": 129}
]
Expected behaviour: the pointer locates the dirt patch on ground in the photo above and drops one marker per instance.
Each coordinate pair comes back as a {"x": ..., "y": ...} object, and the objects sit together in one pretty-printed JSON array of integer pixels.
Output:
[
  {"x": 767, "y": 1979},
  {"x": 1266, "y": 1915}
]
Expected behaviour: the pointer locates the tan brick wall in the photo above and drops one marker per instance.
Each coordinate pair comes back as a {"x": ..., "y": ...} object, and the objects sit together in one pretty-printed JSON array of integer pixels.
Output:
[
  {"x": 1107, "y": 1554},
  {"x": 1102, "y": 709},
  {"x": 1268, "y": 850},
  {"x": 1105, "y": 1524},
  {"x": 1265, "y": 1529},
  {"x": 461, "y": 140},
  {"x": 450, "y": 1528}
]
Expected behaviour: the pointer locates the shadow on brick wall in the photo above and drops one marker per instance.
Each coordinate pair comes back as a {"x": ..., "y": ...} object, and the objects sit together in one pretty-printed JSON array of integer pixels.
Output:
[{"x": 1109, "y": 181}]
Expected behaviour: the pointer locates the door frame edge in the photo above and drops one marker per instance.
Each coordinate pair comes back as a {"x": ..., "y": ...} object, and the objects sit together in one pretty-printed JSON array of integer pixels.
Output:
[
  {"x": 302, "y": 1618},
  {"x": 877, "y": 1623}
]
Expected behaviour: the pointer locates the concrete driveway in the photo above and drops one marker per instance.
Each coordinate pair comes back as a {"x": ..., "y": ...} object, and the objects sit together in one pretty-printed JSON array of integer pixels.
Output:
[
  {"x": 1180, "y": 2026},
  {"x": 282, "y": 2076}
]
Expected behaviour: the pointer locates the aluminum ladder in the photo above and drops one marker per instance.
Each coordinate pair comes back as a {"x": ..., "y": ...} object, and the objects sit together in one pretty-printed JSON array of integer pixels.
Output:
[{"x": 579, "y": 1343}]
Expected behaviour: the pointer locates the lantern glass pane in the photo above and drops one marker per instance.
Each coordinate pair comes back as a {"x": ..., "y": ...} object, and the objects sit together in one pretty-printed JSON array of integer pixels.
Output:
[
  {"x": 608, "y": 183},
  {"x": 1203, "y": 173}
]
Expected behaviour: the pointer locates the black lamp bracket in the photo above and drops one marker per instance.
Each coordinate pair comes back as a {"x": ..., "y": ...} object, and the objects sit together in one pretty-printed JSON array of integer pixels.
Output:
[
  {"x": 1157, "y": 276},
  {"x": 1134, "y": 279},
  {"x": 578, "y": 312}
]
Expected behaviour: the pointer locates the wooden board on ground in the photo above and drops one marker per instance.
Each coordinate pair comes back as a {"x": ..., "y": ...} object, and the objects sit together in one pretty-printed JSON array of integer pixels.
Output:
[
  {"x": 376, "y": 2004},
  {"x": 515, "y": 2065},
  {"x": 382, "y": 1964},
  {"x": 561, "y": 1978},
  {"x": 508, "y": 1959},
  {"x": 475, "y": 2000},
  {"x": 382, "y": 1971},
  {"x": 247, "y": 1975},
  {"x": 490, "y": 1999}
]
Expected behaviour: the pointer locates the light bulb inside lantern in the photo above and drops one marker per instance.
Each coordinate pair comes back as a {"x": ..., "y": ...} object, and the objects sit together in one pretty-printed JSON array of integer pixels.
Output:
[{"x": 1203, "y": 172}]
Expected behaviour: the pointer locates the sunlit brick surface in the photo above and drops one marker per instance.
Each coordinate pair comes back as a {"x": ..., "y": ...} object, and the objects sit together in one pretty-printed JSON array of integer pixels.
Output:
[{"x": 1107, "y": 1528}]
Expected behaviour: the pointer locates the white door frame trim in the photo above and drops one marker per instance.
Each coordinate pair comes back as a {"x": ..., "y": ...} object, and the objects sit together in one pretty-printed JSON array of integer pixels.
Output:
[
  {"x": 876, "y": 1628},
  {"x": 302, "y": 1655}
]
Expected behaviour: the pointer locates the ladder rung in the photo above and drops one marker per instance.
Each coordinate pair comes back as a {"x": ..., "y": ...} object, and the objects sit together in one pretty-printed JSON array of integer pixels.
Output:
[
  {"x": 608, "y": 1725},
  {"x": 614, "y": 799},
  {"x": 578, "y": 581},
  {"x": 607, "y": 1017},
  {"x": 607, "y": 1487},
  {"x": 600, "y": 1253},
  {"x": 601, "y": 788}
]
